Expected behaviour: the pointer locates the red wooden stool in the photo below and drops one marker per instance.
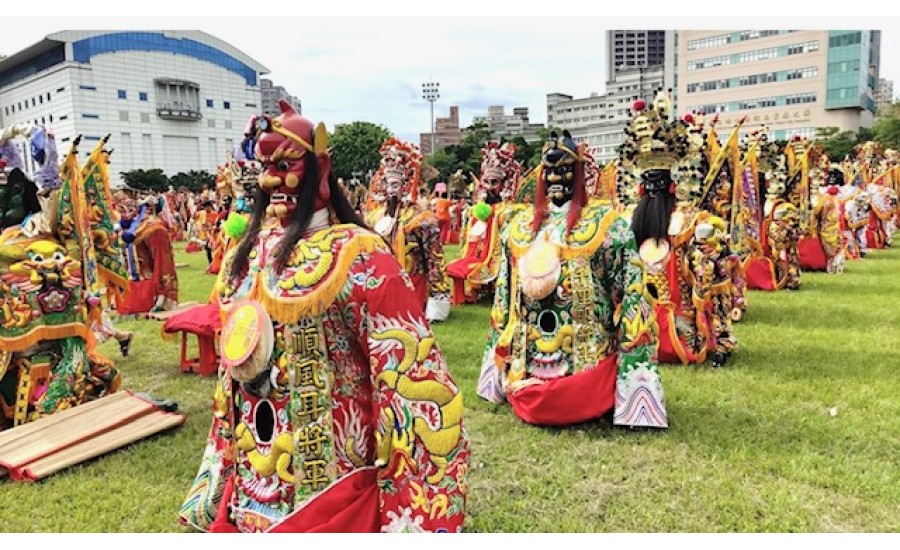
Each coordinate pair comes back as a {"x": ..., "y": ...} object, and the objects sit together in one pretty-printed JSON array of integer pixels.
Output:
[{"x": 205, "y": 323}]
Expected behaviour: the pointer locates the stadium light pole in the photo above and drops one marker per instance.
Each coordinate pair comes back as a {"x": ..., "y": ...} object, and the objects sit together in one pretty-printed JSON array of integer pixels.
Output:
[{"x": 430, "y": 93}]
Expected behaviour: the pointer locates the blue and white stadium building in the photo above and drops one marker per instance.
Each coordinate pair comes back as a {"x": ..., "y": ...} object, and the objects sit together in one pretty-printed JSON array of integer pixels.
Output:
[{"x": 175, "y": 100}]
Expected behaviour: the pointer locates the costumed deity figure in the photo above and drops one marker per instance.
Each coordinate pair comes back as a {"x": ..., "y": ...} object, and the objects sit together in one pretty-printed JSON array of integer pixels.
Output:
[
  {"x": 823, "y": 248},
  {"x": 148, "y": 257},
  {"x": 474, "y": 272},
  {"x": 51, "y": 277},
  {"x": 441, "y": 206},
  {"x": 724, "y": 196},
  {"x": 680, "y": 276},
  {"x": 240, "y": 175},
  {"x": 571, "y": 335},
  {"x": 775, "y": 265},
  {"x": 855, "y": 206},
  {"x": 413, "y": 232},
  {"x": 172, "y": 211},
  {"x": 334, "y": 410},
  {"x": 883, "y": 202}
]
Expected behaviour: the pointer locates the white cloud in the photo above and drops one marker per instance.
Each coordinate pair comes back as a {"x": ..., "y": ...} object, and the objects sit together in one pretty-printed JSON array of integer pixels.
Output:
[{"x": 355, "y": 68}]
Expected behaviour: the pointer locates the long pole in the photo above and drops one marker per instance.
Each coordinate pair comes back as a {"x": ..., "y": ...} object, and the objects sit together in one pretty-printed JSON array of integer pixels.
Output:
[{"x": 432, "y": 126}]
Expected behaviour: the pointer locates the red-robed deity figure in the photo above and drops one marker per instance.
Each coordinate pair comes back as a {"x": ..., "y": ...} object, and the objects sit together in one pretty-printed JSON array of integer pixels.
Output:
[{"x": 334, "y": 410}]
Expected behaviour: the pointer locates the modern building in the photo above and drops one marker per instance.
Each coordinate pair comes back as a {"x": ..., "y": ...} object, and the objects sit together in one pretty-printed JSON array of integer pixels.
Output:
[
  {"x": 791, "y": 81},
  {"x": 271, "y": 94},
  {"x": 175, "y": 100},
  {"x": 516, "y": 124},
  {"x": 633, "y": 49},
  {"x": 446, "y": 132},
  {"x": 600, "y": 120},
  {"x": 884, "y": 94}
]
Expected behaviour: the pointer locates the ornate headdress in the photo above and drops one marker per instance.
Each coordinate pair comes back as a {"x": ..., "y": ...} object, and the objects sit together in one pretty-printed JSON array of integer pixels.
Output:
[
  {"x": 651, "y": 141},
  {"x": 401, "y": 160},
  {"x": 500, "y": 162}
]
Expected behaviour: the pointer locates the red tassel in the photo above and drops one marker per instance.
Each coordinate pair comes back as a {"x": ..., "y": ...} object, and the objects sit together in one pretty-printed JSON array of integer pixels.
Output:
[{"x": 672, "y": 188}]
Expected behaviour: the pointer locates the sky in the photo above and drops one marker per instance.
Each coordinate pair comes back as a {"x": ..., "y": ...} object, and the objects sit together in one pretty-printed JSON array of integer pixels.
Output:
[{"x": 363, "y": 68}]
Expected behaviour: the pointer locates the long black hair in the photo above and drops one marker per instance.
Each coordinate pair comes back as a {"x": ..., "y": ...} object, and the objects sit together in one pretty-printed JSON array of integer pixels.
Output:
[
  {"x": 309, "y": 188},
  {"x": 650, "y": 219}
]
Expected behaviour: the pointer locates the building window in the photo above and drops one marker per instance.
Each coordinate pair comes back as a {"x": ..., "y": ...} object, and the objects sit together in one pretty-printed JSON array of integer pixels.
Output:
[
  {"x": 48, "y": 96},
  {"x": 64, "y": 117},
  {"x": 209, "y": 103},
  {"x": 210, "y": 123},
  {"x": 250, "y": 105},
  {"x": 145, "y": 117},
  {"x": 122, "y": 94},
  {"x": 228, "y": 125},
  {"x": 51, "y": 118},
  {"x": 123, "y": 116},
  {"x": 33, "y": 102},
  {"x": 89, "y": 115},
  {"x": 226, "y": 105},
  {"x": 41, "y": 99},
  {"x": 86, "y": 87},
  {"x": 59, "y": 90},
  {"x": 142, "y": 96},
  {"x": 43, "y": 120}
]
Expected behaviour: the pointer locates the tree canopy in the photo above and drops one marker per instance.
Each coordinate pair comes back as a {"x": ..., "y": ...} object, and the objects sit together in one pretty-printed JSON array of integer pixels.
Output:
[
  {"x": 354, "y": 148},
  {"x": 155, "y": 179}
]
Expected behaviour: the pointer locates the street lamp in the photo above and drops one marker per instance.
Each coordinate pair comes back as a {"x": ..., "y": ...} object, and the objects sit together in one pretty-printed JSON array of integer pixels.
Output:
[{"x": 430, "y": 93}]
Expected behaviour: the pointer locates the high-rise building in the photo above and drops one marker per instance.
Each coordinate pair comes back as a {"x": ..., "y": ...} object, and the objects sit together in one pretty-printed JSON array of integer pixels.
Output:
[
  {"x": 633, "y": 49},
  {"x": 884, "y": 94},
  {"x": 175, "y": 100},
  {"x": 271, "y": 94},
  {"x": 446, "y": 132},
  {"x": 791, "y": 81}
]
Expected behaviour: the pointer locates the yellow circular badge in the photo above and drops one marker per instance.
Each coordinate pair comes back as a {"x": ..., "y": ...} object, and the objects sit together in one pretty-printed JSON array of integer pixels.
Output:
[
  {"x": 242, "y": 332},
  {"x": 541, "y": 259}
]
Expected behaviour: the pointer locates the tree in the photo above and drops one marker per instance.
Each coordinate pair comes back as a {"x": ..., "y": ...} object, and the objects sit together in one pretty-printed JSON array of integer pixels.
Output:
[
  {"x": 887, "y": 132},
  {"x": 836, "y": 144},
  {"x": 354, "y": 148},
  {"x": 194, "y": 180},
  {"x": 444, "y": 161},
  {"x": 524, "y": 150},
  {"x": 145, "y": 180}
]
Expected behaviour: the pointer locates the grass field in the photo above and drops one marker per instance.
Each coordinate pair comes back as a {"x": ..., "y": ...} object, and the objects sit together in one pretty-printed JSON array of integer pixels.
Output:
[{"x": 751, "y": 447}]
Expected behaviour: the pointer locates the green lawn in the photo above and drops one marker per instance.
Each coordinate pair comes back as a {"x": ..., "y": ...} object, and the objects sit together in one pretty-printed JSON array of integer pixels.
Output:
[{"x": 751, "y": 447}]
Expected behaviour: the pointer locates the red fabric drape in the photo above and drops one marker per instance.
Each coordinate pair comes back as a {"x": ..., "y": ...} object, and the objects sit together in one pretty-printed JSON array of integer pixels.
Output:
[
  {"x": 812, "y": 255},
  {"x": 583, "y": 396}
]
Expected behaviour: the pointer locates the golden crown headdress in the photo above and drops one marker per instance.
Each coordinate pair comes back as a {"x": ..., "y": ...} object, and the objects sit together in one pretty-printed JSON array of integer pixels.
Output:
[{"x": 651, "y": 141}]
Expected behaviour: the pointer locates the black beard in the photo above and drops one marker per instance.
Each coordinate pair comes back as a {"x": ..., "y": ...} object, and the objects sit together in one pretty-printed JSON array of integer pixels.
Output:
[
  {"x": 392, "y": 204},
  {"x": 559, "y": 201},
  {"x": 492, "y": 197}
]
